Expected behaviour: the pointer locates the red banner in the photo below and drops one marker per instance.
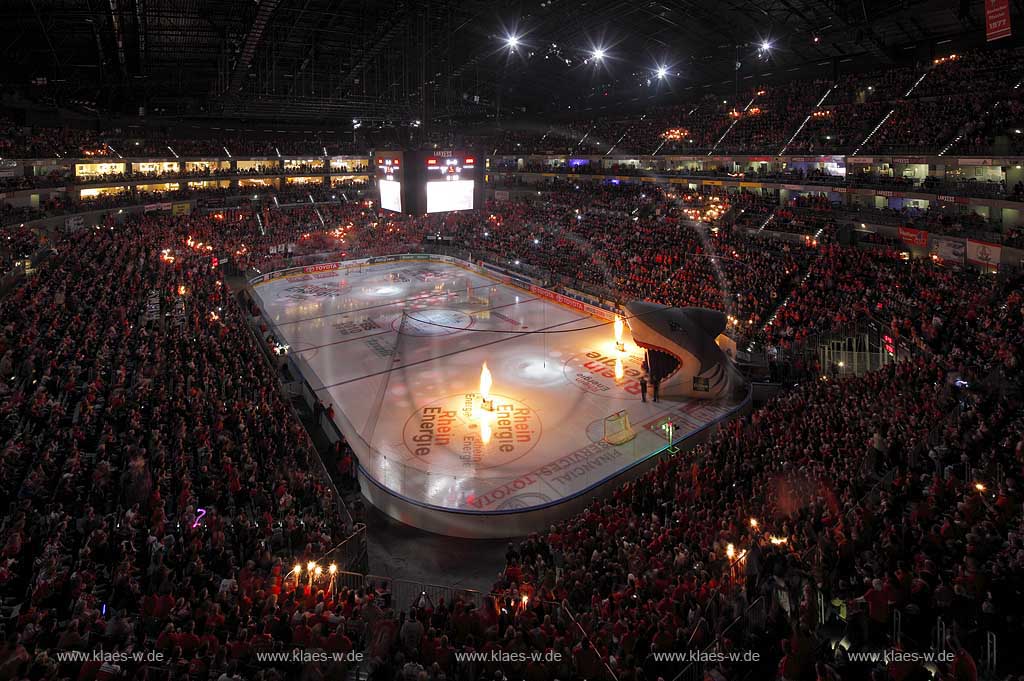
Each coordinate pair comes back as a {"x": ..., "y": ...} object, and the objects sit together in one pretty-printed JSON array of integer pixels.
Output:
[
  {"x": 914, "y": 237},
  {"x": 997, "y": 19}
]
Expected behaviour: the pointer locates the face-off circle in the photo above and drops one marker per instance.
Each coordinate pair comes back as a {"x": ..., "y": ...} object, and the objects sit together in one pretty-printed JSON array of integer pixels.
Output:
[
  {"x": 448, "y": 435},
  {"x": 432, "y": 323},
  {"x": 310, "y": 289},
  {"x": 594, "y": 371}
]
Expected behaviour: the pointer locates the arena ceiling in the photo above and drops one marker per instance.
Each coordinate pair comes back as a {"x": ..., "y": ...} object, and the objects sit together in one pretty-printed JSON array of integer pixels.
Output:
[{"x": 320, "y": 60}]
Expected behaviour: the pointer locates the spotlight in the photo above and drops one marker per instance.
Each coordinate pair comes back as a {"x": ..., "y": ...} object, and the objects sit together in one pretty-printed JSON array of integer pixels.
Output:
[
  {"x": 662, "y": 72},
  {"x": 512, "y": 42},
  {"x": 766, "y": 45},
  {"x": 597, "y": 54}
]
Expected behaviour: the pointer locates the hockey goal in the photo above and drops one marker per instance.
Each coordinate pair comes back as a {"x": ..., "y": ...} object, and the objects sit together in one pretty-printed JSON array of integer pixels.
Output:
[{"x": 617, "y": 429}]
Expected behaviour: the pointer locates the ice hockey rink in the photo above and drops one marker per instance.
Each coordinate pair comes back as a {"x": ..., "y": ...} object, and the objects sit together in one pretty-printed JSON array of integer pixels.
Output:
[{"x": 398, "y": 347}]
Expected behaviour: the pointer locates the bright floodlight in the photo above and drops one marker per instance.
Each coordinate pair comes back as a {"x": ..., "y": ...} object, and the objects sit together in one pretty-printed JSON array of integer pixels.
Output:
[
  {"x": 598, "y": 53},
  {"x": 512, "y": 41},
  {"x": 662, "y": 72},
  {"x": 766, "y": 45}
]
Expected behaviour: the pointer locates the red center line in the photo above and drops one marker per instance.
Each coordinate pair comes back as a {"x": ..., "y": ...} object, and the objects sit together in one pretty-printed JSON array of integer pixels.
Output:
[
  {"x": 513, "y": 335},
  {"x": 393, "y": 302},
  {"x": 371, "y": 335}
]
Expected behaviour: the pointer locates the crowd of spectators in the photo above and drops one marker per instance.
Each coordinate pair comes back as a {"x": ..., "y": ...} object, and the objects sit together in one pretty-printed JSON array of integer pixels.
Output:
[
  {"x": 132, "y": 394},
  {"x": 153, "y": 474},
  {"x": 931, "y": 104},
  {"x": 772, "y": 116},
  {"x": 34, "y": 141}
]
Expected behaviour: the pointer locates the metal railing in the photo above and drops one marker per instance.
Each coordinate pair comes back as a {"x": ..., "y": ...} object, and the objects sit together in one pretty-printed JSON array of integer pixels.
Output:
[
  {"x": 402, "y": 594},
  {"x": 756, "y": 612}
]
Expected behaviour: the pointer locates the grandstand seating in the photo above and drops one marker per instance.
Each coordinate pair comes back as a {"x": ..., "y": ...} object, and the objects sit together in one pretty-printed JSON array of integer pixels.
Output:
[
  {"x": 884, "y": 502},
  {"x": 110, "y": 482}
]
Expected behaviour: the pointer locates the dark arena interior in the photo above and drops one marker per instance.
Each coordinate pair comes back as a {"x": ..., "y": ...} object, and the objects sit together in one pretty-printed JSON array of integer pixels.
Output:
[{"x": 481, "y": 340}]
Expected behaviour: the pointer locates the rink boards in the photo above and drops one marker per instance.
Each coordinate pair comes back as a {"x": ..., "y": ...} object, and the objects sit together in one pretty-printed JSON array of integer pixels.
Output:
[{"x": 397, "y": 345}]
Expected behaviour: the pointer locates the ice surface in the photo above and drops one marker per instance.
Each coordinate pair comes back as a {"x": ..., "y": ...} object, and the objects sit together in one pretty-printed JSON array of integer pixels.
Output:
[{"x": 409, "y": 404}]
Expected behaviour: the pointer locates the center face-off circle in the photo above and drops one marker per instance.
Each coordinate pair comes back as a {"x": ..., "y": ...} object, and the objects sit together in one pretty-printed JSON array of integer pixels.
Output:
[
  {"x": 432, "y": 323},
  {"x": 446, "y": 435},
  {"x": 593, "y": 371}
]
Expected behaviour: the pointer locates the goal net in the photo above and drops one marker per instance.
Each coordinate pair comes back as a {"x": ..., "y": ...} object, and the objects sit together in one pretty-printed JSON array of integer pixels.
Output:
[{"x": 617, "y": 429}]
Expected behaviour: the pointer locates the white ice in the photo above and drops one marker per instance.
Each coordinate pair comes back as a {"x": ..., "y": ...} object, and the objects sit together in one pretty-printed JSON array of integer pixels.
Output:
[{"x": 408, "y": 401}]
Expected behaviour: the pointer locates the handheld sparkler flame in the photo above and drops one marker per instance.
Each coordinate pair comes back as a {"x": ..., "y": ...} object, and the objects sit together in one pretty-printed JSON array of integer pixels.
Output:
[
  {"x": 485, "y": 383},
  {"x": 730, "y": 551},
  {"x": 778, "y": 540}
]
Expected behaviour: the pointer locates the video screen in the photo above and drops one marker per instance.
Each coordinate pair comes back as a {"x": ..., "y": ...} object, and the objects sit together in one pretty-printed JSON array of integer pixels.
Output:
[
  {"x": 390, "y": 195},
  {"x": 452, "y": 195}
]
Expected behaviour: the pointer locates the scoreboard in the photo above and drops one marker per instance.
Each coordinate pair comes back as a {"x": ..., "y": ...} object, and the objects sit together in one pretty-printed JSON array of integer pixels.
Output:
[
  {"x": 436, "y": 181},
  {"x": 388, "y": 171},
  {"x": 451, "y": 181}
]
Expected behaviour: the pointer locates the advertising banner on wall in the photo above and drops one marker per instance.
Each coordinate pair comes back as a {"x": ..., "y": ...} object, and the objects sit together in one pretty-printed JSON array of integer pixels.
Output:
[
  {"x": 914, "y": 237},
  {"x": 948, "y": 250},
  {"x": 983, "y": 253}
]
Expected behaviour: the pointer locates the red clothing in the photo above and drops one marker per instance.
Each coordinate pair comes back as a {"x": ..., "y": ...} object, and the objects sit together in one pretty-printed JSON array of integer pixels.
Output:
[{"x": 878, "y": 604}]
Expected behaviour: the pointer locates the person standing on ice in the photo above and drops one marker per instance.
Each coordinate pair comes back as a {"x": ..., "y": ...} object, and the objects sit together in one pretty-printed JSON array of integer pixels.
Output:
[{"x": 643, "y": 387}]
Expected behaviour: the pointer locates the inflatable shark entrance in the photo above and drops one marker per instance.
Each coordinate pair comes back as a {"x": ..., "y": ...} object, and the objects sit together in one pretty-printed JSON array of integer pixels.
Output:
[{"x": 686, "y": 349}]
